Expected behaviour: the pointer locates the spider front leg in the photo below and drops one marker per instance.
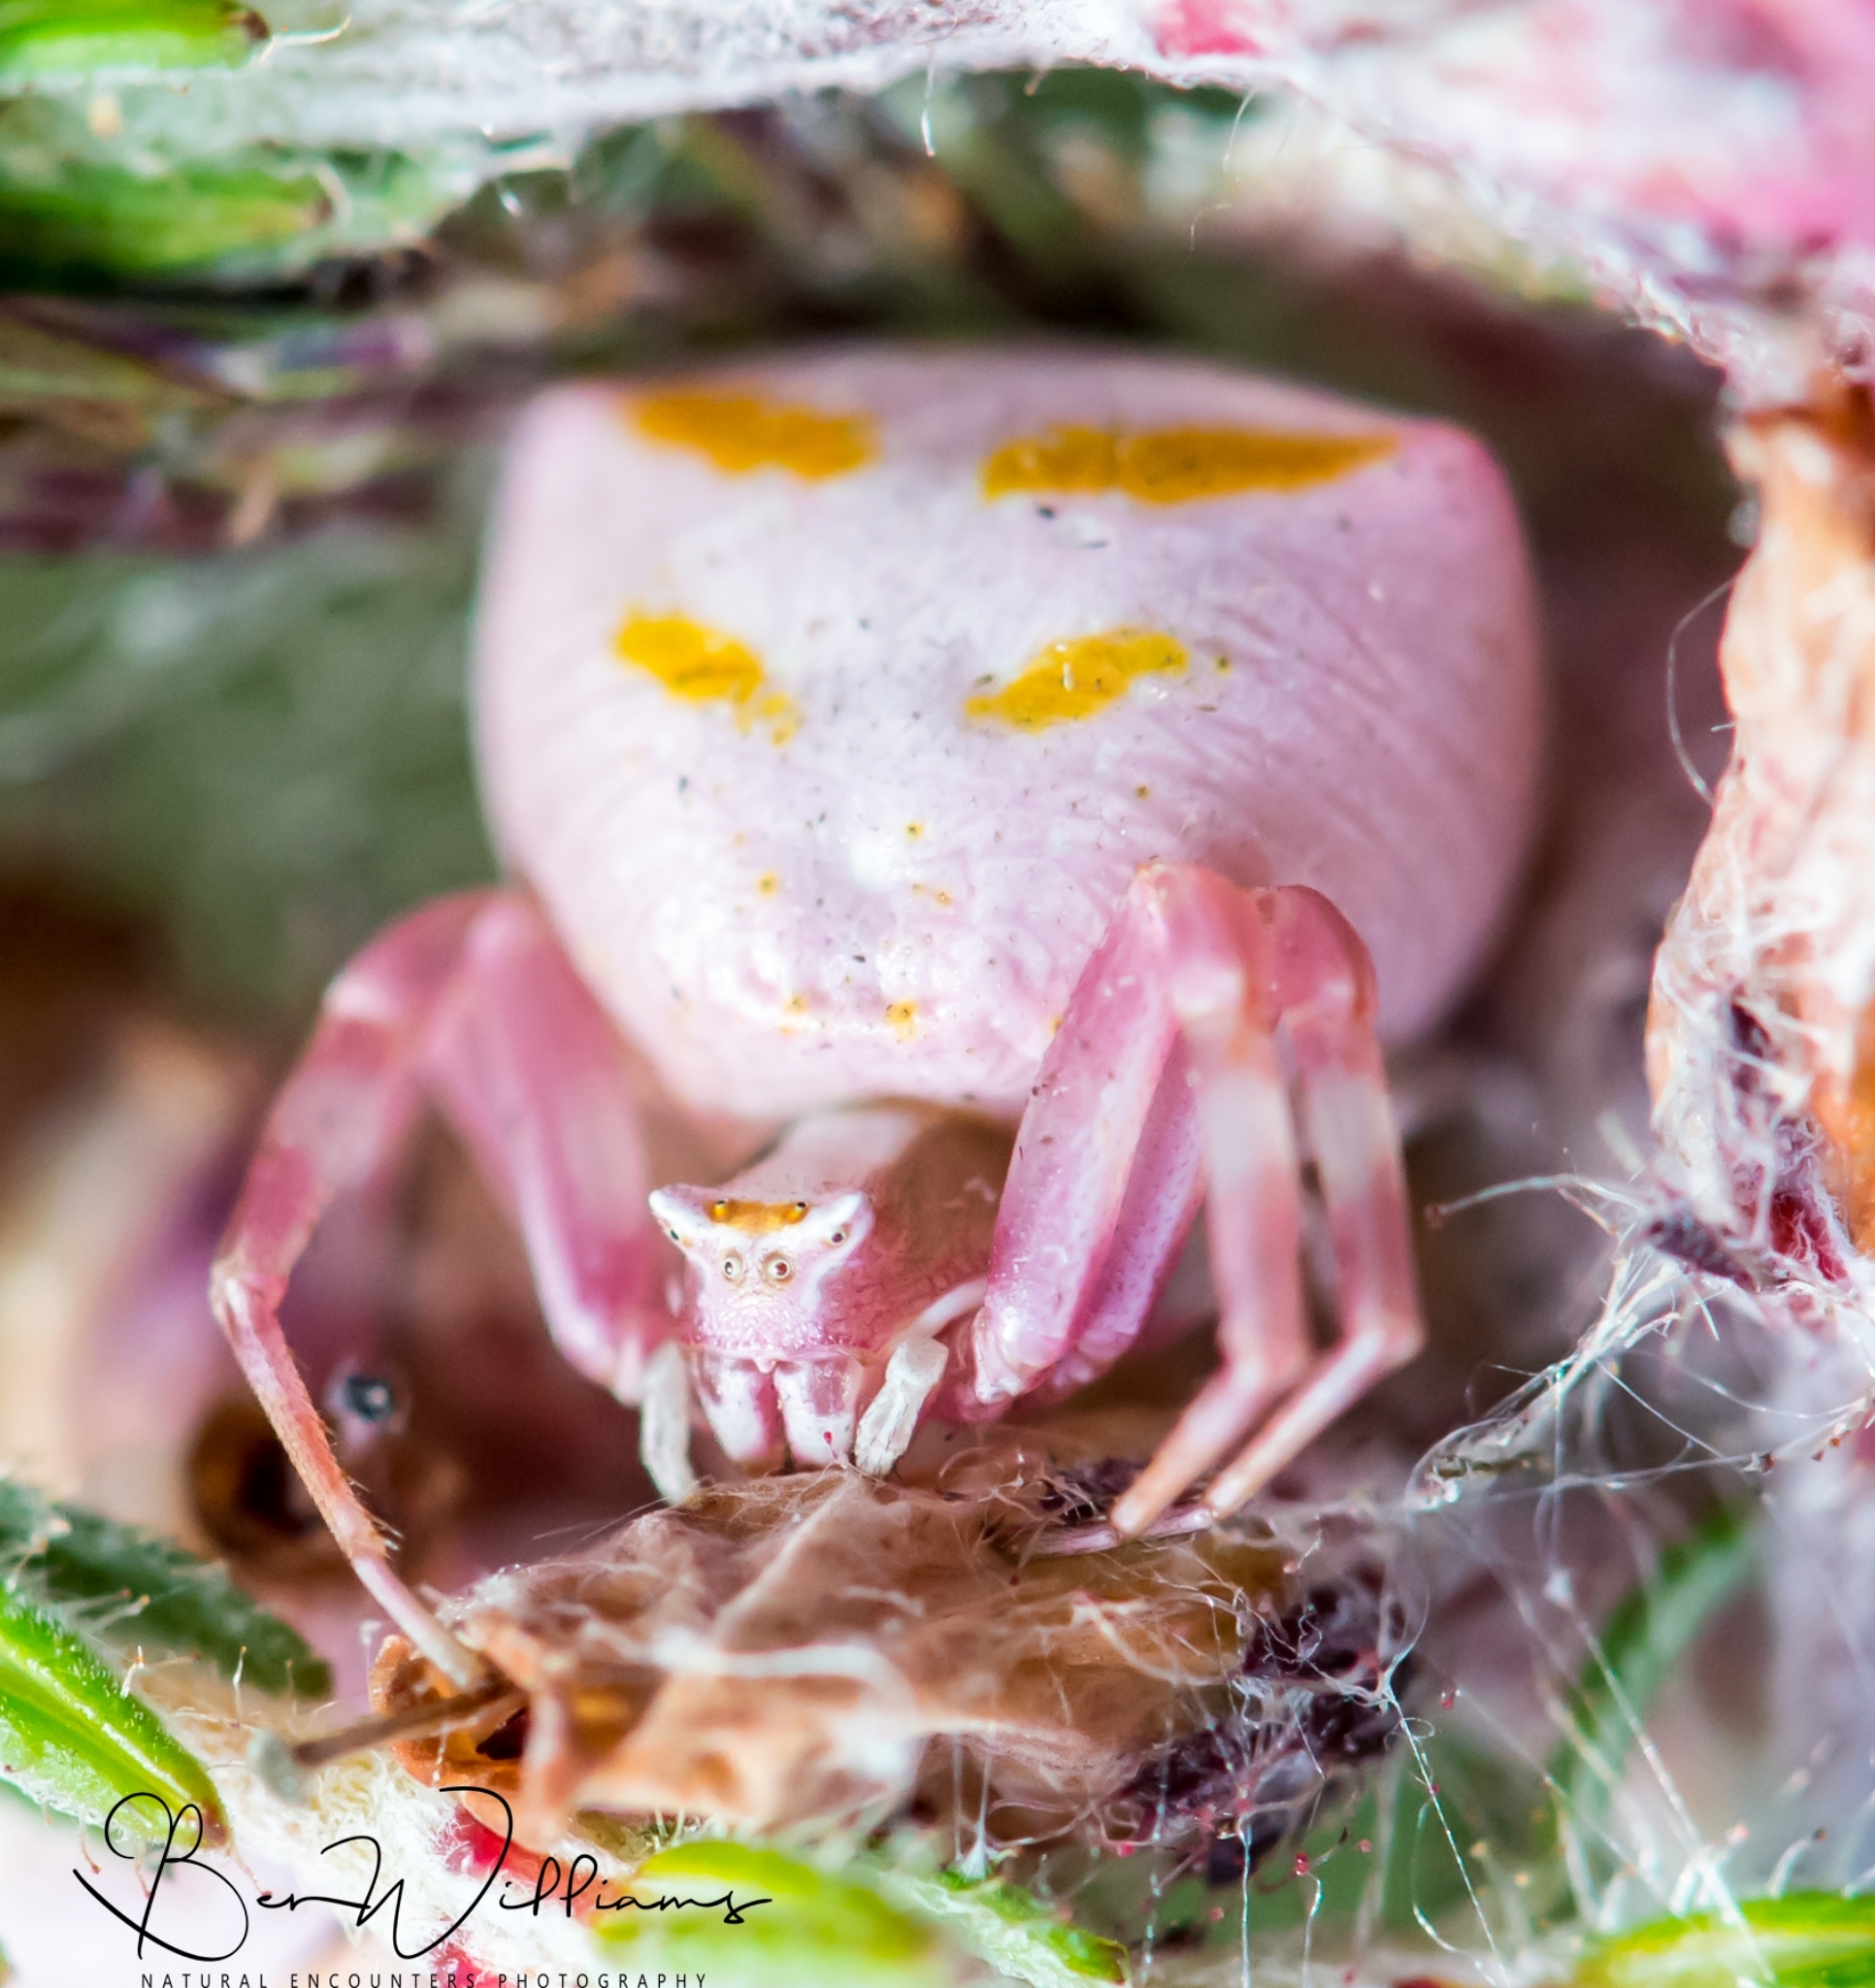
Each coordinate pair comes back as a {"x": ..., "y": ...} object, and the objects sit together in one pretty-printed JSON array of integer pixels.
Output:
[
  {"x": 1303, "y": 969},
  {"x": 1103, "y": 1182},
  {"x": 471, "y": 1000}
]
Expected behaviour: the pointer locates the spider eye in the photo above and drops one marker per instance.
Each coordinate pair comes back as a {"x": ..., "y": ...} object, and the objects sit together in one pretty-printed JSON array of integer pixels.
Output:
[
  {"x": 674, "y": 1236},
  {"x": 779, "y": 1270},
  {"x": 370, "y": 1398},
  {"x": 838, "y": 1237},
  {"x": 732, "y": 1268}
]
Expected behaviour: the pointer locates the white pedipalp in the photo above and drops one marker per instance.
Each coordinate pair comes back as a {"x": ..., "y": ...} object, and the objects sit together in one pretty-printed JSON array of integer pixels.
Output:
[
  {"x": 885, "y": 1431},
  {"x": 663, "y": 1424},
  {"x": 916, "y": 1367}
]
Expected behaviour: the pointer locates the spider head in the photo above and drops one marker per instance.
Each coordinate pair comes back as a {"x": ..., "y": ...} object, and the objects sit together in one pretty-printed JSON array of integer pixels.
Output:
[{"x": 757, "y": 1269}]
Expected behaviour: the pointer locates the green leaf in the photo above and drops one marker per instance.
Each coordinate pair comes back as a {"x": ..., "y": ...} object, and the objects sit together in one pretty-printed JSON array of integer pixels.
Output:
[
  {"x": 1009, "y": 1927},
  {"x": 812, "y": 1928},
  {"x": 75, "y": 37},
  {"x": 124, "y": 1589},
  {"x": 73, "y": 1738},
  {"x": 1651, "y": 1629},
  {"x": 871, "y": 1923},
  {"x": 76, "y": 215},
  {"x": 77, "y": 206},
  {"x": 1806, "y": 1939}
]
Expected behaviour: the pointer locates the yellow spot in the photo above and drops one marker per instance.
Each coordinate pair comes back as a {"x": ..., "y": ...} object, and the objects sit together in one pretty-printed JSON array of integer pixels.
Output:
[
  {"x": 758, "y": 1217},
  {"x": 1176, "y": 465},
  {"x": 781, "y": 713},
  {"x": 1074, "y": 680},
  {"x": 914, "y": 829},
  {"x": 705, "y": 666},
  {"x": 740, "y": 432},
  {"x": 768, "y": 883},
  {"x": 902, "y": 1019},
  {"x": 1143, "y": 793}
]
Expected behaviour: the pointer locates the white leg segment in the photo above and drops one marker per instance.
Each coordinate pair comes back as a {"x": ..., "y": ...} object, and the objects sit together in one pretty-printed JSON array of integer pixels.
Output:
[
  {"x": 885, "y": 1431},
  {"x": 663, "y": 1424}
]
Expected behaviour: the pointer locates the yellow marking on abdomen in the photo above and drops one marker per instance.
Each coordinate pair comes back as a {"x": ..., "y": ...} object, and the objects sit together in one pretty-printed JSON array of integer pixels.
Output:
[
  {"x": 795, "y": 1015},
  {"x": 1074, "y": 680},
  {"x": 901, "y": 1018},
  {"x": 758, "y": 1217},
  {"x": 1176, "y": 465},
  {"x": 740, "y": 432},
  {"x": 705, "y": 666}
]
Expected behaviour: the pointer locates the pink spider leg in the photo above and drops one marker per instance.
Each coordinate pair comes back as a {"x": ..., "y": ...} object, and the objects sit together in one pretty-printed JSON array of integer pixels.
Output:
[
  {"x": 1108, "y": 1168},
  {"x": 341, "y": 1113},
  {"x": 1322, "y": 990},
  {"x": 1062, "y": 1241},
  {"x": 472, "y": 998},
  {"x": 1181, "y": 955},
  {"x": 1163, "y": 1193},
  {"x": 527, "y": 1067},
  {"x": 1103, "y": 1183}
]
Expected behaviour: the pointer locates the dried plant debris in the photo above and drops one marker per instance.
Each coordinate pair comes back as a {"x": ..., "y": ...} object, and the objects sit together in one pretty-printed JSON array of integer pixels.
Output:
[
  {"x": 275, "y": 337},
  {"x": 827, "y": 1651},
  {"x": 1762, "y": 1036},
  {"x": 1707, "y": 176},
  {"x": 1314, "y": 1700}
]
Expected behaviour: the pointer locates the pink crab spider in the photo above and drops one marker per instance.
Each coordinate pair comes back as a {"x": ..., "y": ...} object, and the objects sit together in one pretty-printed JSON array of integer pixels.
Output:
[{"x": 988, "y": 767}]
